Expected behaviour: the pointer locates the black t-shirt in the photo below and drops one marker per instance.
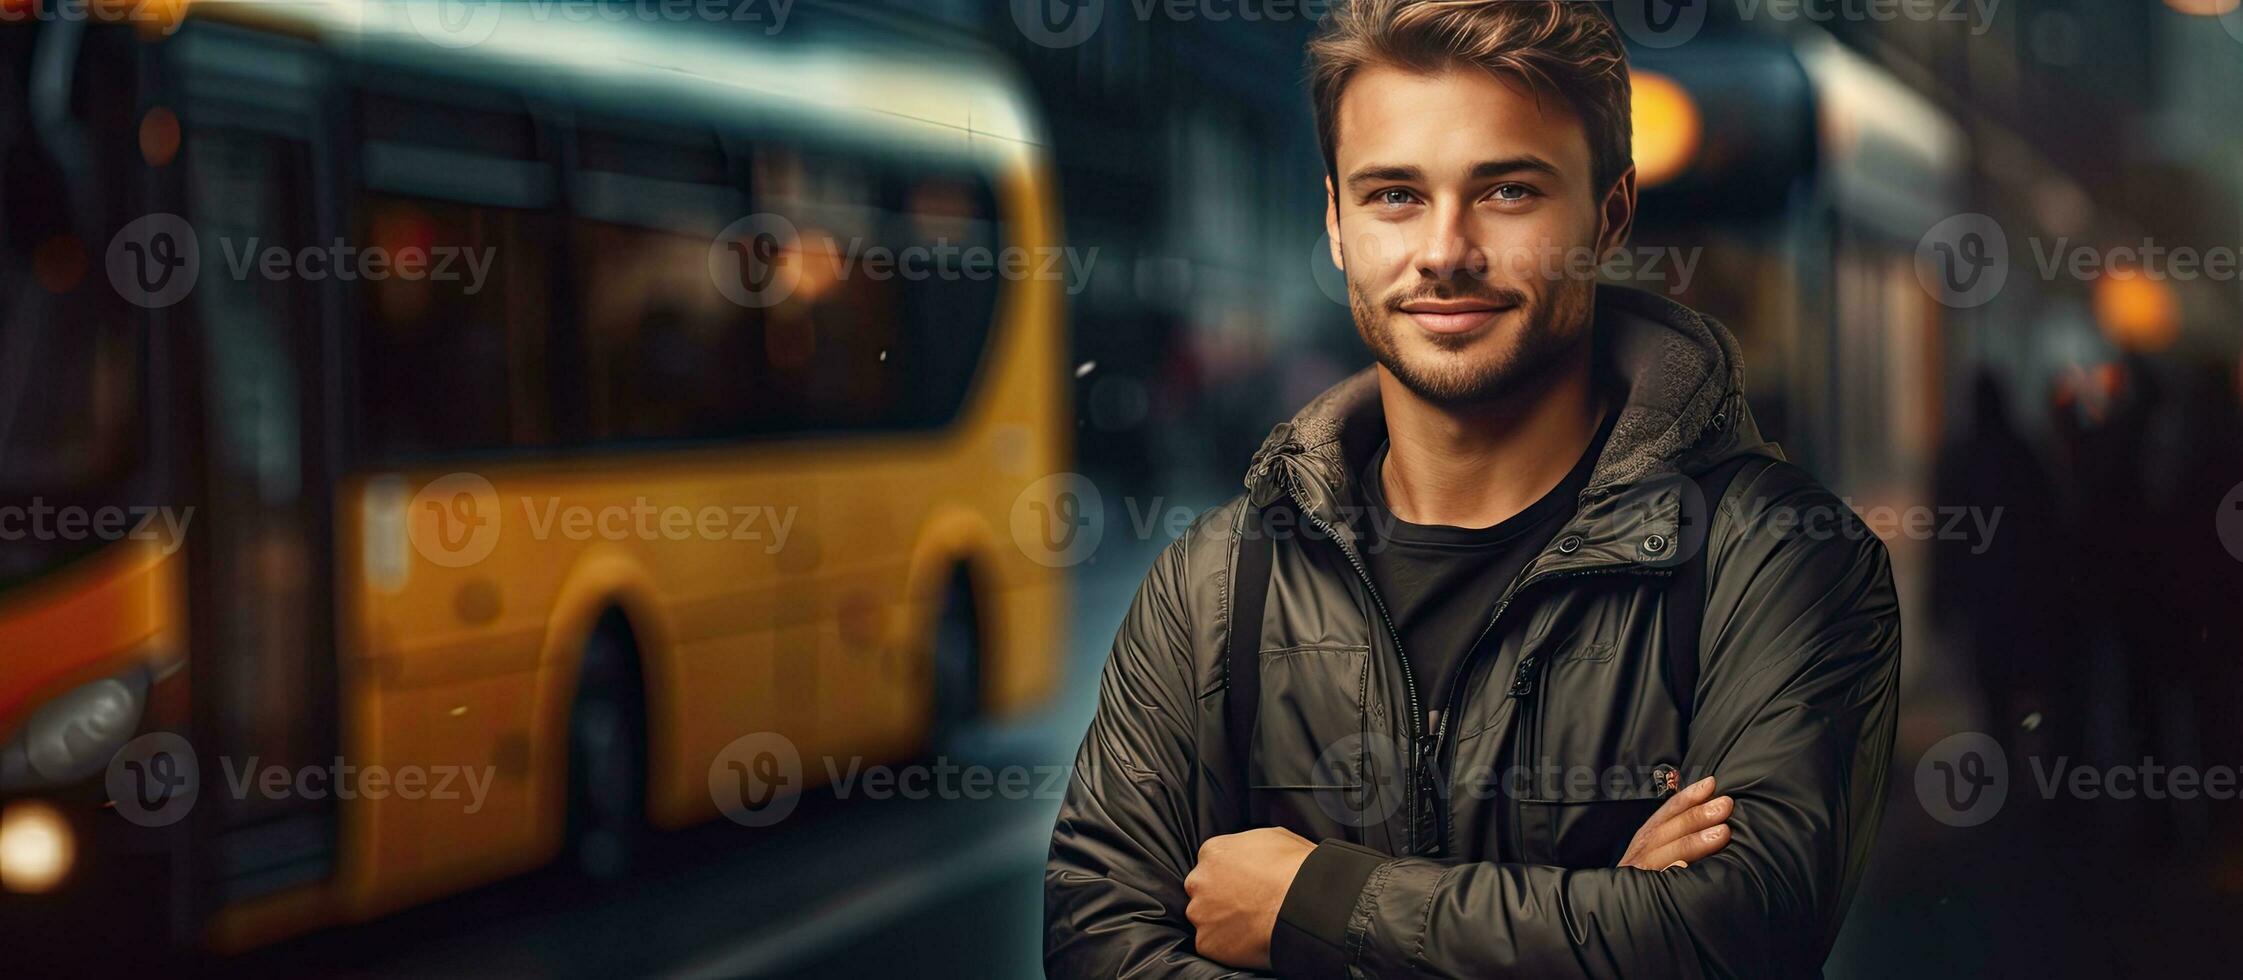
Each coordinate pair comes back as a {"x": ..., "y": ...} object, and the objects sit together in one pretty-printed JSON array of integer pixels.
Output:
[{"x": 1441, "y": 583}]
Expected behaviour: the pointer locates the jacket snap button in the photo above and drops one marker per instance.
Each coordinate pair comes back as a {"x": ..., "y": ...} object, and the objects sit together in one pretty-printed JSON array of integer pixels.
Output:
[
  {"x": 1569, "y": 544},
  {"x": 1665, "y": 779},
  {"x": 1655, "y": 543}
]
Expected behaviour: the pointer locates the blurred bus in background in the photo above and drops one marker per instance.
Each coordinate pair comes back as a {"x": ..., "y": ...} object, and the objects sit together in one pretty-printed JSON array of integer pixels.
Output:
[
  {"x": 1800, "y": 177},
  {"x": 667, "y": 472}
]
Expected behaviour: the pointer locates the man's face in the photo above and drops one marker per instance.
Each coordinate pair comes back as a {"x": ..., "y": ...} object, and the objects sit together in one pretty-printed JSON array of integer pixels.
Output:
[{"x": 1469, "y": 228}]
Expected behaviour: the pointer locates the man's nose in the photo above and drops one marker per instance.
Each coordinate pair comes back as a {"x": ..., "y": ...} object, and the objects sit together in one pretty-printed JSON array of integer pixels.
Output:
[{"x": 1449, "y": 249}]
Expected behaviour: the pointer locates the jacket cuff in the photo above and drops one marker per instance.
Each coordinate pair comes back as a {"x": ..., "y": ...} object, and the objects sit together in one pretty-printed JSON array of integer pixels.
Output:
[{"x": 1311, "y": 935}]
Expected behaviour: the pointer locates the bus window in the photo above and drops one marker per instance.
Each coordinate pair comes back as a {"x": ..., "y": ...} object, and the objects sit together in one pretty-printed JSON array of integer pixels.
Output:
[
  {"x": 828, "y": 343},
  {"x": 666, "y": 356},
  {"x": 452, "y": 353},
  {"x": 948, "y": 314}
]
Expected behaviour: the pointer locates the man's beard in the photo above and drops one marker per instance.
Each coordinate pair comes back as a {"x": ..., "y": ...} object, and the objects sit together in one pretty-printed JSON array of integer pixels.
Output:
[{"x": 1552, "y": 333}]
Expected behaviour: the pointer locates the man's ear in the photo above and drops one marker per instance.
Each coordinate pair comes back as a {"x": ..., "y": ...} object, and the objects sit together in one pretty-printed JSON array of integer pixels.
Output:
[
  {"x": 1617, "y": 215},
  {"x": 1332, "y": 224}
]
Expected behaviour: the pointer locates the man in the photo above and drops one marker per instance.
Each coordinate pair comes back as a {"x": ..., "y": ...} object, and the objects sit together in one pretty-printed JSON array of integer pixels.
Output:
[{"x": 1476, "y": 741}]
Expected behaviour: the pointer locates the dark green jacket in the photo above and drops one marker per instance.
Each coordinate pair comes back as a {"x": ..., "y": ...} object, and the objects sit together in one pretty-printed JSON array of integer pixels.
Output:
[{"x": 1485, "y": 845}]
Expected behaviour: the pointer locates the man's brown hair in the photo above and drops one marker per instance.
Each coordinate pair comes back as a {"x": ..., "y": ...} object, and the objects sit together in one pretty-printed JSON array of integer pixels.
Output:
[{"x": 1566, "y": 48}]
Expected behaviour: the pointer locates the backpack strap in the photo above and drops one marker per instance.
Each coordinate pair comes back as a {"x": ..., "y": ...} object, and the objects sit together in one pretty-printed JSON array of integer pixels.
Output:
[
  {"x": 1242, "y": 658},
  {"x": 1685, "y": 605}
]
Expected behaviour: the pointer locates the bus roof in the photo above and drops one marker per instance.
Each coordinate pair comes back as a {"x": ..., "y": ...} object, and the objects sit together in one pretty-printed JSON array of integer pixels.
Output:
[{"x": 872, "y": 85}]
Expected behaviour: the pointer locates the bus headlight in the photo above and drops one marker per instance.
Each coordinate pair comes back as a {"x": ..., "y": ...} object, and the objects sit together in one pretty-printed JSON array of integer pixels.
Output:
[
  {"x": 73, "y": 736},
  {"x": 36, "y": 847}
]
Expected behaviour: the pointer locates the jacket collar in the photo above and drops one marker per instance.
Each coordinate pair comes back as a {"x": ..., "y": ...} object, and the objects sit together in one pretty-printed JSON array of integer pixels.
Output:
[{"x": 1682, "y": 411}]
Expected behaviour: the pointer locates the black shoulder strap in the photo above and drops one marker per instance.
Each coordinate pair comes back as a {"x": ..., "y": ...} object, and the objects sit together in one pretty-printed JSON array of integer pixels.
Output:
[
  {"x": 1686, "y": 590},
  {"x": 1242, "y": 659}
]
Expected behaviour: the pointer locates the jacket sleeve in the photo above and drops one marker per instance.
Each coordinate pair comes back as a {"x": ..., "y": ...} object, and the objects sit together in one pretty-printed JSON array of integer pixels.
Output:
[
  {"x": 1127, "y": 832},
  {"x": 1797, "y": 707}
]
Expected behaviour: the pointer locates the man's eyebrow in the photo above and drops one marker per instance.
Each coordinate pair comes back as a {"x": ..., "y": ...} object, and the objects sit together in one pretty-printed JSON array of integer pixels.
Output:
[
  {"x": 1379, "y": 173},
  {"x": 1511, "y": 165}
]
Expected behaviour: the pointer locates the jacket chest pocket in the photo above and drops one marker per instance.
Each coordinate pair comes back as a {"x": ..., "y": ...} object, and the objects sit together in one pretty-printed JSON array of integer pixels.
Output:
[
  {"x": 1600, "y": 750},
  {"x": 1316, "y": 768}
]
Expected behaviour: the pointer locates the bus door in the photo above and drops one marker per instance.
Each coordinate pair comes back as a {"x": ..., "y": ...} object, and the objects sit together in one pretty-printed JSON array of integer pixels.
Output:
[{"x": 249, "y": 176}]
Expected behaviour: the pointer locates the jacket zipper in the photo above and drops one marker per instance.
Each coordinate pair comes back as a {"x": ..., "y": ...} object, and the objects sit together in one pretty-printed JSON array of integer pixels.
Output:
[
  {"x": 1421, "y": 743},
  {"x": 1523, "y": 680}
]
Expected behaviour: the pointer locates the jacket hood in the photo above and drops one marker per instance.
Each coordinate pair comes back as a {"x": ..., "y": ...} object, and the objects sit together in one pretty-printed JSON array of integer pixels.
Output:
[{"x": 1682, "y": 408}]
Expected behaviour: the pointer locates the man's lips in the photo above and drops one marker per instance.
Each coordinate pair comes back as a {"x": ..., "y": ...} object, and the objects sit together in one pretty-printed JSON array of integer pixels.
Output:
[{"x": 1453, "y": 317}]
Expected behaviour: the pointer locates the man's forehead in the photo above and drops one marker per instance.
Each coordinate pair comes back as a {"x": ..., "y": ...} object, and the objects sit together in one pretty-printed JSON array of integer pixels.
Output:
[{"x": 1453, "y": 118}]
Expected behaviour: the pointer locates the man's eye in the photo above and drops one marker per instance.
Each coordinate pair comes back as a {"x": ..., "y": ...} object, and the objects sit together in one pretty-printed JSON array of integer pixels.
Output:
[
  {"x": 1513, "y": 192},
  {"x": 1395, "y": 197}
]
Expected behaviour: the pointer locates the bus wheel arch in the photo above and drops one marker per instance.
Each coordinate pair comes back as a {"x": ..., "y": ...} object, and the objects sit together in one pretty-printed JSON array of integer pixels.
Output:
[
  {"x": 607, "y": 739},
  {"x": 960, "y": 652}
]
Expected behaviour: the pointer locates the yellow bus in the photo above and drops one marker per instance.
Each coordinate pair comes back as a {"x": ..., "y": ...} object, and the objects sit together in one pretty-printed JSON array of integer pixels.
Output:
[{"x": 550, "y": 406}]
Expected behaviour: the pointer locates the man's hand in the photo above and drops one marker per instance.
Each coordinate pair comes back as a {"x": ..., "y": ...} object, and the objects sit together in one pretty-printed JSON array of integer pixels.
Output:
[
  {"x": 1236, "y": 890},
  {"x": 1692, "y": 826}
]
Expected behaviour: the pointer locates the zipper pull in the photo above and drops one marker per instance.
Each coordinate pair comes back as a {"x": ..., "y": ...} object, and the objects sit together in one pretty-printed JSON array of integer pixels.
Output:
[{"x": 1522, "y": 681}]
